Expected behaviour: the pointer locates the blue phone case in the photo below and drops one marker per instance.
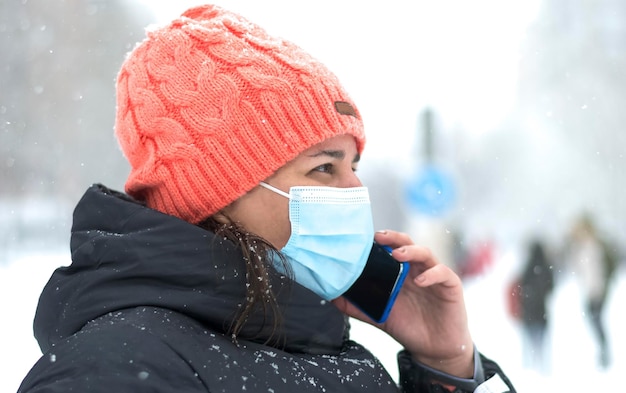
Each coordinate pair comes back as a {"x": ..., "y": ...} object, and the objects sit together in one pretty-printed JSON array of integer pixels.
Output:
[
  {"x": 376, "y": 289},
  {"x": 396, "y": 288}
]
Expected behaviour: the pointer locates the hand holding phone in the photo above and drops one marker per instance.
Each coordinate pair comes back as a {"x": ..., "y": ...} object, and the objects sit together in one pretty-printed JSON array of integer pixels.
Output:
[{"x": 376, "y": 289}]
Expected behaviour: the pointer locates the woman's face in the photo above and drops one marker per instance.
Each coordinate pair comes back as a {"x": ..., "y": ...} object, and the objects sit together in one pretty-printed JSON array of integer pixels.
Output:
[{"x": 265, "y": 213}]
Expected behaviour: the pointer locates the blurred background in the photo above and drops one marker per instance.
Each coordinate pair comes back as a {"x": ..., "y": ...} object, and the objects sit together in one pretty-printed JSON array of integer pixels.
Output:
[{"x": 490, "y": 124}]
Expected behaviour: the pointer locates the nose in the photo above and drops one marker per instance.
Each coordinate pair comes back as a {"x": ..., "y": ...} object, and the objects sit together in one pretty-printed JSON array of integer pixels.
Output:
[{"x": 352, "y": 180}]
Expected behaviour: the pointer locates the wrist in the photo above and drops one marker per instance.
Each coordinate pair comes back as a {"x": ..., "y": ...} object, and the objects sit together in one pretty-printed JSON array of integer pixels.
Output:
[
  {"x": 462, "y": 365},
  {"x": 420, "y": 374}
]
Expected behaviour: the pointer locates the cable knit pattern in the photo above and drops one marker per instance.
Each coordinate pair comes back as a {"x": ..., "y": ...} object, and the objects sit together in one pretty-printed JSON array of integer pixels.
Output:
[{"x": 210, "y": 105}]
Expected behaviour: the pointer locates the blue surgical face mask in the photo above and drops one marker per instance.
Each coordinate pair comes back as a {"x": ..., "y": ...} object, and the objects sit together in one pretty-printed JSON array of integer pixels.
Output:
[{"x": 332, "y": 232}]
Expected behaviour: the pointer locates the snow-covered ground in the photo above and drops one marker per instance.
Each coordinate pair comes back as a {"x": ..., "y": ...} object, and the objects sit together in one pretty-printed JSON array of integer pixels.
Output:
[{"x": 496, "y": 335}]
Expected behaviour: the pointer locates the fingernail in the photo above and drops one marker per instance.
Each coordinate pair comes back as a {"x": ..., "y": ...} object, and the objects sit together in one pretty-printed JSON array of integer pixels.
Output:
[{"x": 383, "y": 231}]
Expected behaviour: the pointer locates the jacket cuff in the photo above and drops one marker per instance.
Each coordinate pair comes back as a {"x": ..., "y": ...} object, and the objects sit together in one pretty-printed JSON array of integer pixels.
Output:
[{"x": 417, "y": 377}]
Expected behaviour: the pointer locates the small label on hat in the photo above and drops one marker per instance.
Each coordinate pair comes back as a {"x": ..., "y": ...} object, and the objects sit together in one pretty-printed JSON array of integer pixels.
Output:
[{"x": 345, "y": 108}]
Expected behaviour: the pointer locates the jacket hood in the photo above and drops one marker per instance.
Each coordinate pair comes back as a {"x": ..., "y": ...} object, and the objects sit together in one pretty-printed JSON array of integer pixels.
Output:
[{"x": 127, "y": 255}]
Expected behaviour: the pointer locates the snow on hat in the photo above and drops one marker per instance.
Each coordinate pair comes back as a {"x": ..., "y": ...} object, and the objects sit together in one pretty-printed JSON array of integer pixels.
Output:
[{"x": 210, "y": 105}]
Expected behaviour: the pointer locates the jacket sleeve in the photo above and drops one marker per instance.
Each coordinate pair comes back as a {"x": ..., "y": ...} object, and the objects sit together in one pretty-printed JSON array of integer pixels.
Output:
[{"x": 419, "y": 378}]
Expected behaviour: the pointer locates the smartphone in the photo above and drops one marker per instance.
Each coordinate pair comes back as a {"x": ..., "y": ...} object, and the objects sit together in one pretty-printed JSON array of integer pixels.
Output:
[{"x": 376, "y": 289}]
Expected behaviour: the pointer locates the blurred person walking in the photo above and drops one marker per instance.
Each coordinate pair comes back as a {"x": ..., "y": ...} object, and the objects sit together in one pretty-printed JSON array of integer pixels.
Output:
[
  {"x": 594, "y": 264},
  {"x": 536, "y": 284}
]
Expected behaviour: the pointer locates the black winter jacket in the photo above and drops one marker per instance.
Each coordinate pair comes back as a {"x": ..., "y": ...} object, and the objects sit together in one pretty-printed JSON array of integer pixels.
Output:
[{"x": 147, "y": 300}]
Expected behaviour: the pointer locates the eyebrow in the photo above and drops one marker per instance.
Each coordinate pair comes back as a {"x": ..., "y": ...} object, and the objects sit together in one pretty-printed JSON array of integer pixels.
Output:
[{"x": 336, "y": 154}]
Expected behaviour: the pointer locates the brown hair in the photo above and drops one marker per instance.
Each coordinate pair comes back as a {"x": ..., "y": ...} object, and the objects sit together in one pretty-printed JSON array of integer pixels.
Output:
[{"x": 259, "y": 292}]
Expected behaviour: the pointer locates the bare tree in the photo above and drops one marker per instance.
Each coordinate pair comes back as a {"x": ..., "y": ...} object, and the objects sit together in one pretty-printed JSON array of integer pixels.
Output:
[{"x": 57, "y": 97}]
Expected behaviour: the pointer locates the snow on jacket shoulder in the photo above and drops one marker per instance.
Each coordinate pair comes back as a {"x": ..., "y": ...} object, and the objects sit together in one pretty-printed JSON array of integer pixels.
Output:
[{"x": 147, "y": 349}]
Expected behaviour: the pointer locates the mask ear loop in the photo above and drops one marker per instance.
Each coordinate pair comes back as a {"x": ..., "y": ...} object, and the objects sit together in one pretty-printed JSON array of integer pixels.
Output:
[{"x": 276, "y": 190}]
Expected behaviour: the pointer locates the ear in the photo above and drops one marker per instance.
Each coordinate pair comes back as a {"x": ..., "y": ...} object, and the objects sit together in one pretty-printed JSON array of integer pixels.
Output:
[{"x": 222, "y": 217}]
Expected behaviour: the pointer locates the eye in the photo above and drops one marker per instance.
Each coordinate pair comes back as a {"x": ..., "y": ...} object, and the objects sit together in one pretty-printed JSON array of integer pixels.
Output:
[{"x": 325, "y": 168}]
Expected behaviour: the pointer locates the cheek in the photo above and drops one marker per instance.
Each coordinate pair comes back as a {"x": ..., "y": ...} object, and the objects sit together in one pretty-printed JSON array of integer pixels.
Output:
[
  {"x": 286, "y": 229},
  {"x": 277, "y": 227},
  {"x": 265, "y": 214}
]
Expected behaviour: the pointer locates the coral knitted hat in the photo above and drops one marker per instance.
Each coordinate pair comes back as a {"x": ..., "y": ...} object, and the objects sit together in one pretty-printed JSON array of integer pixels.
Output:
[{"x": 210, "y": 105}]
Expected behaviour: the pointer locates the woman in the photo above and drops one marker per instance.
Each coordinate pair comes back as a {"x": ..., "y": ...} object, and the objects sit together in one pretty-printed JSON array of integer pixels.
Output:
[
  {"x": 536, "y": 286},
  {"x": 588, "y": 256},
  {"x": 223, "y": 268}
]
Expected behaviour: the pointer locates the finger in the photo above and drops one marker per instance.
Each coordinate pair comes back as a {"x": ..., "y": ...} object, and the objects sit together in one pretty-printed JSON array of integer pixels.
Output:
[
  {"x": 392, "y": 239},
  {"x": 438, "y": 274},
  {"x": 415, "y": 254}
]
